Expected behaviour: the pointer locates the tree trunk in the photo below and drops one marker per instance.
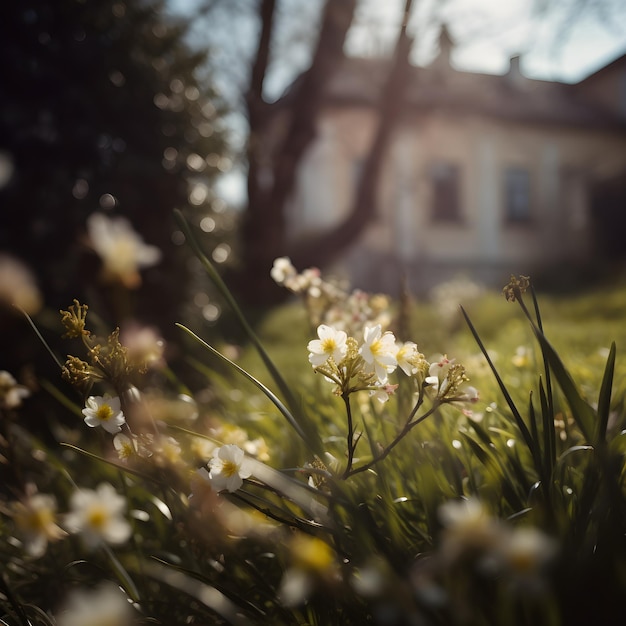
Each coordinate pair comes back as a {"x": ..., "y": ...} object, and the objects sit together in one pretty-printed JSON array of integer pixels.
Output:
[
  {"x": 327, "y": 247},
  {"x": 280, "y": 134}
]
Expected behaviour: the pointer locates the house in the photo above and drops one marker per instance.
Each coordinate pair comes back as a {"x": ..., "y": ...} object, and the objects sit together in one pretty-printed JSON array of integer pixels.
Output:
[{"x": 487, "y": 175}]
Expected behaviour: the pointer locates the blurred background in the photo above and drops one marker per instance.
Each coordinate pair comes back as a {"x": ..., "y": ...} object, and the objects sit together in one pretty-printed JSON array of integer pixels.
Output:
[{"x": 388, "y": 143}]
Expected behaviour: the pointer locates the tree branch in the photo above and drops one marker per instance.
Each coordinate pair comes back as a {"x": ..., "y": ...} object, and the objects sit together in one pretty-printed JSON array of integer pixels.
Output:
[
  {"x": 280, "y": 133},
  {"x": 330, "y": 244}
]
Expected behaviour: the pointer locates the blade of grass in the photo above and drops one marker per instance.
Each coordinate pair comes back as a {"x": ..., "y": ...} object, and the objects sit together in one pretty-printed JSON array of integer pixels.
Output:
[
  {"x": 537, "y": 457},
  {"x": 122, "y": 468},
  {"x": 549, "y": 436},
  {"x": 124, "y": 577},
  {"x": 205, "y": 594},
  {"x": 40, "y": 336},
  {"x": 13, "y": 601},
  {"x": 549, "y": 396},
  {"x": 604, "y": 399},
  {"x": 227, "y": 295},
  {"x": 582, "y": 412},
  {"x": 311, "y": 438},
  {"x": 507, "y": 396}
]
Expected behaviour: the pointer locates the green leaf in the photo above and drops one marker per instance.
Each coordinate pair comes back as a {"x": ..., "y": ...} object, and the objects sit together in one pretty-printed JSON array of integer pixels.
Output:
[
  {"x": 549, "y": 435},
  {"x": 122, "y": 468},
  {"x": 604, "y": 399},
  {"x": 507, "y": 396},
  {"x": 535, "y": 451},
  {"x": 123, "y": 576},
  {"x": 583, "y": 413}
]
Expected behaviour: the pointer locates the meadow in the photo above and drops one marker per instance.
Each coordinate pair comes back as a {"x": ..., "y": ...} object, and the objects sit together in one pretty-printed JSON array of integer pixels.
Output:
[{"x": 356, "y": 460}]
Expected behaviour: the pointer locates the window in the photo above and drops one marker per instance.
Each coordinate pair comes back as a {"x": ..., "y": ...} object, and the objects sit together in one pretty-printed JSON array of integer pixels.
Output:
[
  {"x": 445, "y": 185},
  {"x": 517, "y": 194}
]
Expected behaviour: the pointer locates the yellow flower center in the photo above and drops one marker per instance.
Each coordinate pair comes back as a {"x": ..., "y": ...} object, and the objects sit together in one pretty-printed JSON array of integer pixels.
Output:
[
  {"x": 97, "y": 517},
  {"x": 104, "y": 412},
  {"x": 376, "y": 347},
  {"x": 36, "y": 521},
  {"x": 126, "y": 451},
  {"x": 329, "y": 345},
  {"x": 229, "y": 468}
]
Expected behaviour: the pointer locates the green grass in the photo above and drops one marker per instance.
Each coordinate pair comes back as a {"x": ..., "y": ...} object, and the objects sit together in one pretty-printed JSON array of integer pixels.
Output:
[{"x": 541, "y": 451}]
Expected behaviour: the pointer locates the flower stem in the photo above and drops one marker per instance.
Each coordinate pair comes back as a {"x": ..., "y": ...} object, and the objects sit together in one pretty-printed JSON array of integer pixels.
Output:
[{"x": 350, "y": 437}]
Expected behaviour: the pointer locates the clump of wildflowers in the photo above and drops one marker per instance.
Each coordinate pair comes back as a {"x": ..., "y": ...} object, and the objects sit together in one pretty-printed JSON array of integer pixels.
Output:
[
  {"x": 328, "y": 302},
  {"x": 203, "y": 447},
  {"x": 107, "y": 358},
  {"x": 472, "y": 536}
]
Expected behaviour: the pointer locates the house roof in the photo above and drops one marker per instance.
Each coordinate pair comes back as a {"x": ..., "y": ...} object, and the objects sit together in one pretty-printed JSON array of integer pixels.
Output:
[
  {"x": 511, "y": 96},
  {"x": 618, "y": 64}
]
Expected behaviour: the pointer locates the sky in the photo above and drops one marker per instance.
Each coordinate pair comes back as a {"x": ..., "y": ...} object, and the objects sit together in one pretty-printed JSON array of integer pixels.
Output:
[{"x": 571, "y": 40}]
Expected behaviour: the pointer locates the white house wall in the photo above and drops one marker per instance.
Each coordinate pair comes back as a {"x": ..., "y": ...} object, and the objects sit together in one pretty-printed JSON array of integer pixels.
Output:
[{"x": 404, "y": 234}]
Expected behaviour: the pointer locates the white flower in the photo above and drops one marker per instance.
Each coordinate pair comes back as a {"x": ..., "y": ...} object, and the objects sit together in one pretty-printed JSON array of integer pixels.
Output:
[
  {"x": 228, "y": 468},
  {"x": 383, "y": 392},
  {"x": 97, "y": 516},
  {"x": 11, "y": 394},
  {"x": 380, "y": 351},
  {"x": 104, "y": 411},
  {"x": 468, "y": 528},
  {"x": 125, "y": 446},
  {"x": 282, "y": 270},
  {"x": 468, "y": 394},
  {"x": 18, "y": 286},
  {"x": 438, "y": 375},
  {"x": 35, "y": 521},
  {"x": 525, "y": 553},
  {"x": 121, "y": 249},
  {"x": 331, "y": 342},
  {"x": 106, "y": 605},
  {"x": 407, "y": 356},
  {"x": 144, "y": 344}
]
